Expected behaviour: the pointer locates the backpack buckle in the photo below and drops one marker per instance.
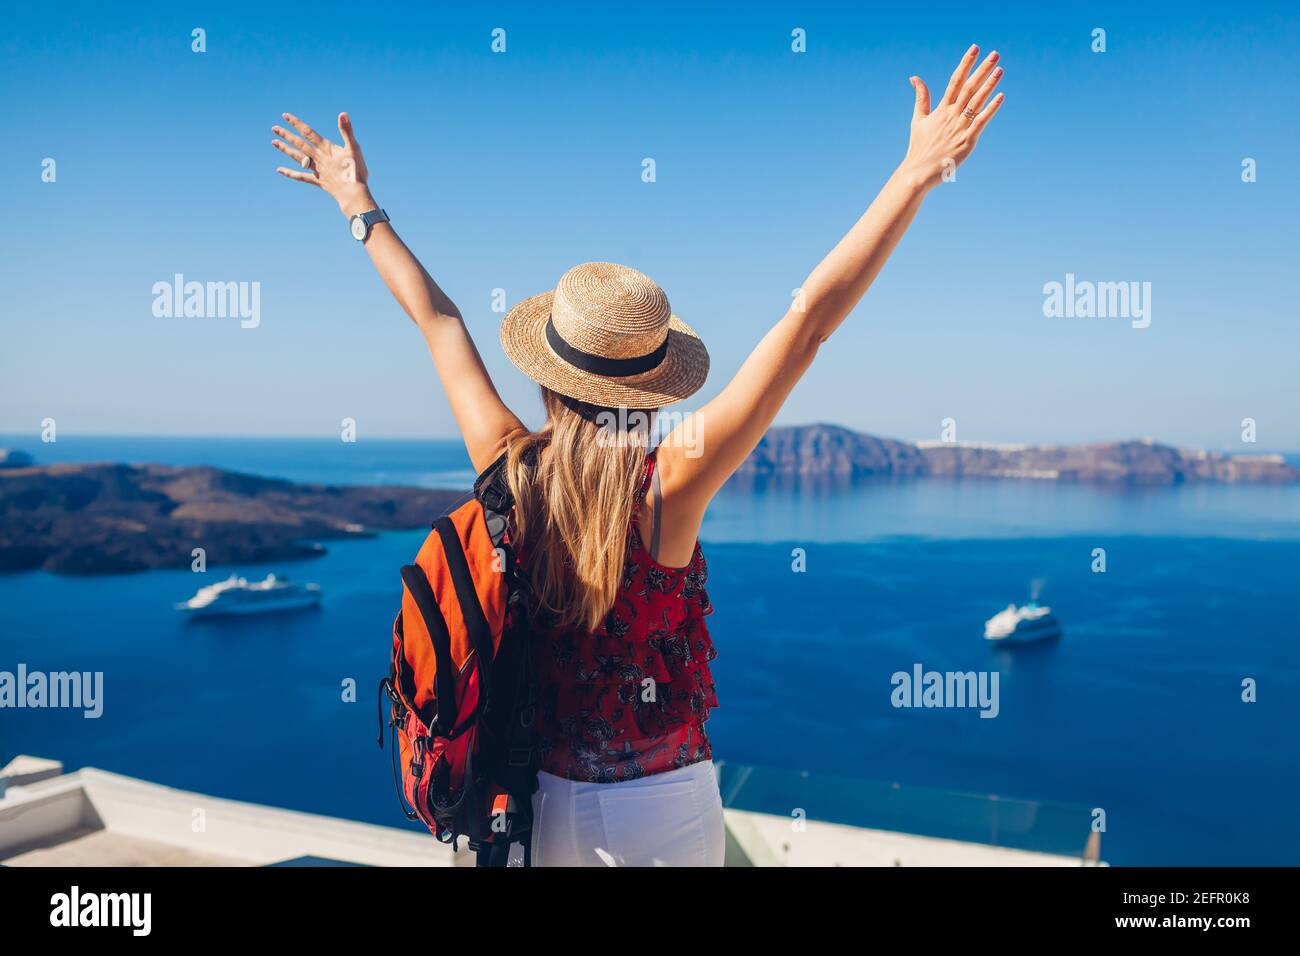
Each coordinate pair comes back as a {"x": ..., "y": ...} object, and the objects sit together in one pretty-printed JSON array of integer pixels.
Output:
[
  {"x": 493, "y": 488},
  {"x": 417, "y": 761},
  {"x": 495, "y": 500}
]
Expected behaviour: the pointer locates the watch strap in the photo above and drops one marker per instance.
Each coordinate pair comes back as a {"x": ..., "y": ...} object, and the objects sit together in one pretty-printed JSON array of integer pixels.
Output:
[{"x": 370, "y": 218}]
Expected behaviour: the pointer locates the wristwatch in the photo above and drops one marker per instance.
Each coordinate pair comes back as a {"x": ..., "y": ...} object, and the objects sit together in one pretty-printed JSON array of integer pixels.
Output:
[{"x": 363, "y": 221}]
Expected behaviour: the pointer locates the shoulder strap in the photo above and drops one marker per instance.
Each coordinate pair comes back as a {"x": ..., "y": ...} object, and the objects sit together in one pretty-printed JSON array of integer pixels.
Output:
[
  {"x": 462, "y": 581},
  {"x": 492, "y": 489},
  {"x": 650, "y": 481},
  {"x": 646, "y": 477},
  {"x": 436, "y": 625},
  {"x": 654, "y": 520}
]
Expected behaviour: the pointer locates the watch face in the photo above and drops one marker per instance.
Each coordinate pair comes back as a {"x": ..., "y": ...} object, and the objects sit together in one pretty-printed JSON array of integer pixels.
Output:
[{"x": 358, "y": 228}]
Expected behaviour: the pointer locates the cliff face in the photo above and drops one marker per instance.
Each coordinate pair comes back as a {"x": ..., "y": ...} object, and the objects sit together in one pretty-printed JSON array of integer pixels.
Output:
[
  {"x": 831, "y": 453},
  {"x": 100, "y": 518},
  {"x": 1131, "y": 462}
]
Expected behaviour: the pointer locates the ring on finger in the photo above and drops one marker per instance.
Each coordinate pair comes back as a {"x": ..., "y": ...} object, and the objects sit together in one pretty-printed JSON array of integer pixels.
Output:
[
  {"x": 968, "y": 113},
  {"x": 306, "y": 161}
]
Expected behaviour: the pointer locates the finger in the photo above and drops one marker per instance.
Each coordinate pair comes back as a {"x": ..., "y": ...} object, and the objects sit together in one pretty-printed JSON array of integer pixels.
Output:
[
  {"x": 298, "y": 141},
  {"x": 922, "y": 107},
  {"x": 298, "y": 174},
  {"x": 986, "y": 114},
  {"x": 297, "y": 155},
  {"x": 982, "y": 94},
  {"x": 977, "y": 79},
  {"x": 345, "y": 131},
  {"x": 959, "y": 74},
  {"x": 308, "y": 133}
]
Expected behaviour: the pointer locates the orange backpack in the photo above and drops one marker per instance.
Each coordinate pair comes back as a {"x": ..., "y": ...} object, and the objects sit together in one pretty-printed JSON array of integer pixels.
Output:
[{"x": 461, "y": 689}]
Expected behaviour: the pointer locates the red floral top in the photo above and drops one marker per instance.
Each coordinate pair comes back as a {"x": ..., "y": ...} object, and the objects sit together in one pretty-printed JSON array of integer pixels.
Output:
[{"x": 631, "y": 698}]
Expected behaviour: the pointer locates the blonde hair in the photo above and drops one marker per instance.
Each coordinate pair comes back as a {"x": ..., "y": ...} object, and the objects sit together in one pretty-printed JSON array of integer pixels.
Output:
[{"x": 575, "y": 484}]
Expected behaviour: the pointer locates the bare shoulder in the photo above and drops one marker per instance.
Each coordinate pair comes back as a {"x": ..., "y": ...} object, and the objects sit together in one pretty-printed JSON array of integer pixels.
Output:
[
  {"x": 483, "y": 456},
  {"x": 679, "y": 505}
]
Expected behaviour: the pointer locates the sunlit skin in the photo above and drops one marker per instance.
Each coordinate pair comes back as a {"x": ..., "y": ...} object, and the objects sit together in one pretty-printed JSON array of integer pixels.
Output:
[{"x": 692, "y": 467}]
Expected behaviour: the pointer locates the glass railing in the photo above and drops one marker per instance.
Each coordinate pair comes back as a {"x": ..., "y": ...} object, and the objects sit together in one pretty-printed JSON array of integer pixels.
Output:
[{"x": 1032, "y": 825}]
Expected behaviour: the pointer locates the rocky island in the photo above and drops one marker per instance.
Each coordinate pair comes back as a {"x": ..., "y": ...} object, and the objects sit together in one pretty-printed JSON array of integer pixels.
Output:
[
  {"x": 106, "y": 518},
  {"x": 833, "y": 453}
]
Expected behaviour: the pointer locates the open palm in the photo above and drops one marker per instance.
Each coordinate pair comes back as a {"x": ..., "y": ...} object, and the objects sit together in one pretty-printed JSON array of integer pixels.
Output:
[{"x": 340, "y": 170}]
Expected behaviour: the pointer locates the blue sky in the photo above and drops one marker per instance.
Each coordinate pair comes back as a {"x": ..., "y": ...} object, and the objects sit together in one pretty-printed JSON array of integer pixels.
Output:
[{"x": 502, "y": 170}]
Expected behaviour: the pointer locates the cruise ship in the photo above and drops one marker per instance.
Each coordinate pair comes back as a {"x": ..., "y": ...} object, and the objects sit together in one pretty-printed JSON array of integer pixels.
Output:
[
  {"x": 1020, "y": 625},
  {"x": 236, "y": 596}
]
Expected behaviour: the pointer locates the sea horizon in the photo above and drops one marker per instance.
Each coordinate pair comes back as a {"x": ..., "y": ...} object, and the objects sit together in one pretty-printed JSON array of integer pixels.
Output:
[{"x": 30, "y": 439}]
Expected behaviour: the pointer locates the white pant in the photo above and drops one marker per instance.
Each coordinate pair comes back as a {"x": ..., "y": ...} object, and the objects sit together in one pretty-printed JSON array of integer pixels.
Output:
[{"x": 665, "y": 819}]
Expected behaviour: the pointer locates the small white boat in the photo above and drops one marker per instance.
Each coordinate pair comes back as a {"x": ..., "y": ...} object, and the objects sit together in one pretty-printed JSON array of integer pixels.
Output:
[
  {"x": 236, "y": 596},
  {"x": 1020, "y": 625}
]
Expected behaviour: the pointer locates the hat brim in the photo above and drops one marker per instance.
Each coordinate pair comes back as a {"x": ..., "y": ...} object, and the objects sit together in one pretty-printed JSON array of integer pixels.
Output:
[{"x": 679, "y": 375}]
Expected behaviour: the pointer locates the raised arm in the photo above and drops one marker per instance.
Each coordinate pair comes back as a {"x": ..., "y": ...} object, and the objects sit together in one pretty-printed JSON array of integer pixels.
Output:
[
  {"x": 340, "y": 170},
  {"x": 727, "y": 428}
]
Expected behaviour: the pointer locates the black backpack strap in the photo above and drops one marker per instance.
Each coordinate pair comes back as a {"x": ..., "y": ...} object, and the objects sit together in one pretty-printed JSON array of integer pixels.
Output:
[
  {"x": 498, "y": 854},
  {"x": 515, "y": 755},
  {"x": 492, "y": 489},
  {"x": 436, "y": 625},
  {"x": 386, "y": 690},
  {"x": 480, "y": 635}
]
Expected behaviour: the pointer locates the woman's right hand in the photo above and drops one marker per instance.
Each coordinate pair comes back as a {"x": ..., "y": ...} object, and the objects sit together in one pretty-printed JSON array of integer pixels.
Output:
[
  {"x": 339, "y": 170},
  {"x": 943, "y": 137}
]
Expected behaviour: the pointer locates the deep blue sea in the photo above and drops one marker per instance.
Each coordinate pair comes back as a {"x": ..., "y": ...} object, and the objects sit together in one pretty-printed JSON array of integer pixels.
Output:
[{"x": 1137, "y": 710}]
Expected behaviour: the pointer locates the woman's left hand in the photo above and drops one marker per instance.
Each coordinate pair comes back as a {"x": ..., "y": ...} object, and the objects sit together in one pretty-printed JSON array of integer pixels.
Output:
[{"x": 339, "y": 170}]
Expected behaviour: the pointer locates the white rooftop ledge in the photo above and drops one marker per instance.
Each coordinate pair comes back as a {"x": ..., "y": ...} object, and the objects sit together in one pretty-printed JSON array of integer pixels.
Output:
[
  {"x": 96, "y": 818},
  {"x": 24, "y": 769}
]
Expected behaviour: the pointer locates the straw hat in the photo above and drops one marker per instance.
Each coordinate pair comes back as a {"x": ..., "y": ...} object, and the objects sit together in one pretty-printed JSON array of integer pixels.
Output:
[{"x": 606, "y": 336}]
